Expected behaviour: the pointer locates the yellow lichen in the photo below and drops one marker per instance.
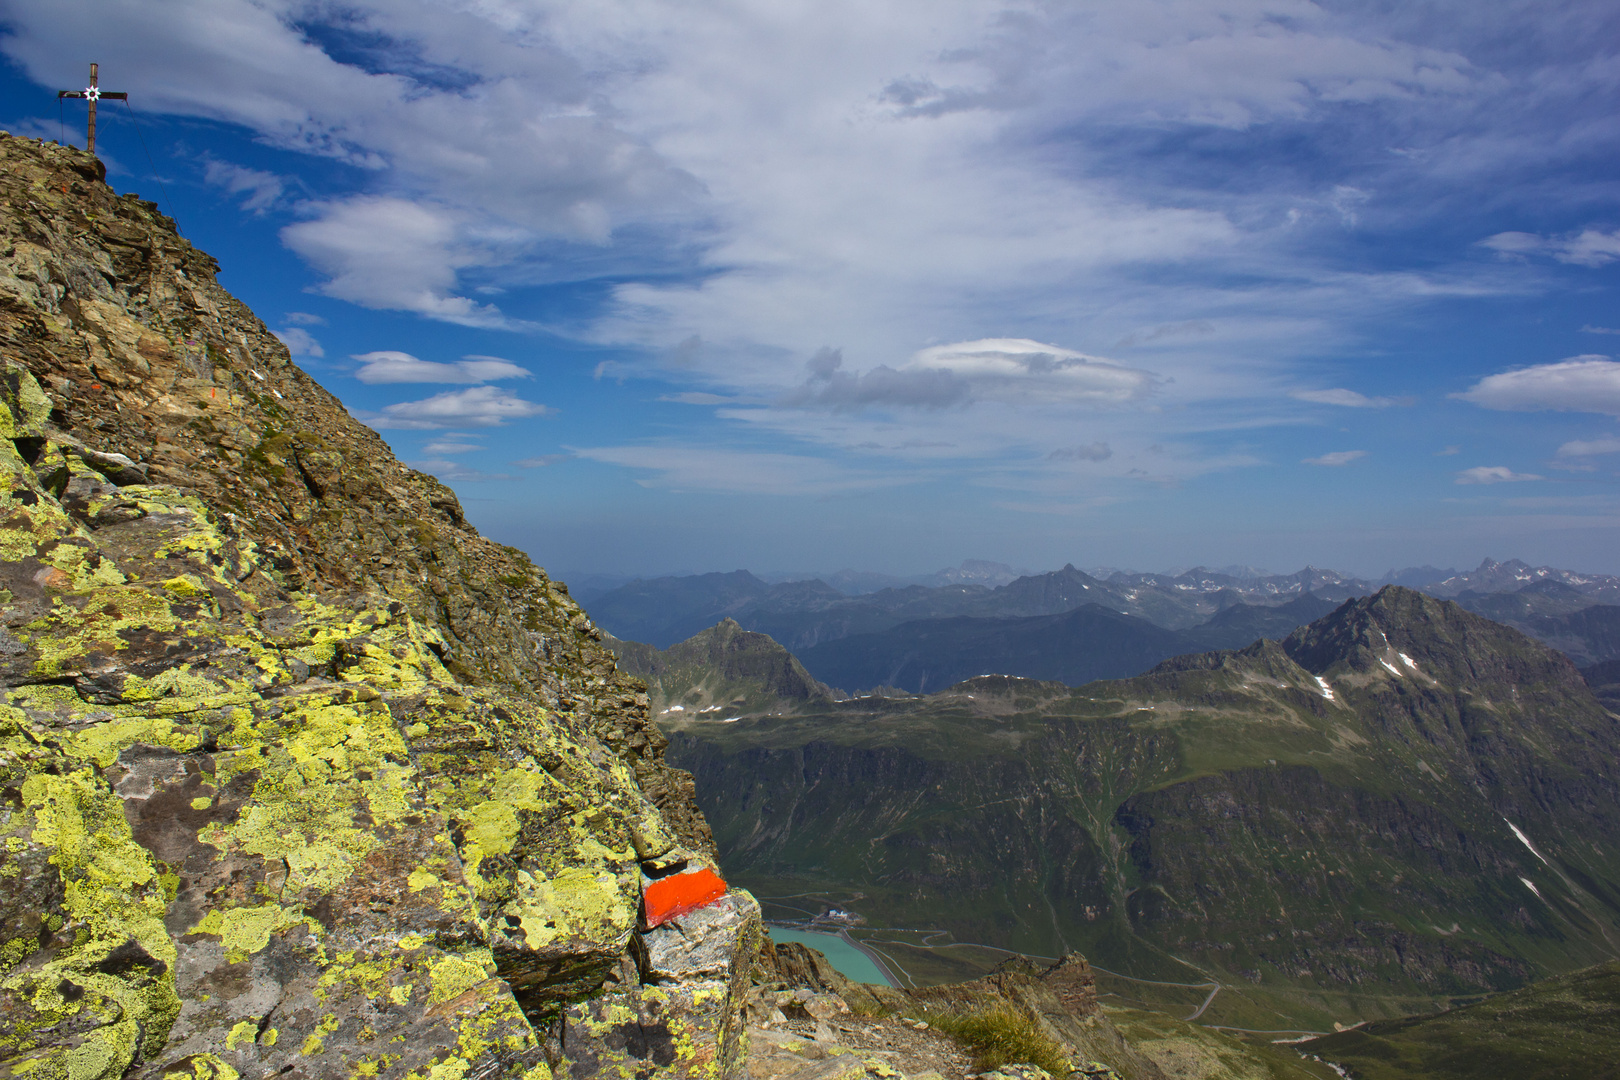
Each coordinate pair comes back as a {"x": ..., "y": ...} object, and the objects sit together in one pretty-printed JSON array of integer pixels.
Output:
[{"x": 455, "y": 975}]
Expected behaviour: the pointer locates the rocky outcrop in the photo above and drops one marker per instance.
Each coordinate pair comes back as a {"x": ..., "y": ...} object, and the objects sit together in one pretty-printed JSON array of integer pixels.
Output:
[
  {"x": 299, "y": 775},
  {"x": 1058, "y": 1001}
]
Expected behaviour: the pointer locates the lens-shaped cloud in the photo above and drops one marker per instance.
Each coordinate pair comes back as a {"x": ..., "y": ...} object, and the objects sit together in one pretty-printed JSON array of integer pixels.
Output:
[
  {"x": 1336, "y": 458},
  {"x": 992, "y": 369},
  {"x": 1493, "y": 474},
  {"x": 477, "y": 406},
  {"x": 1609, "y": 444},
  {"x": 1586, "y": 383},
  {"x": 389, "y": 366}
]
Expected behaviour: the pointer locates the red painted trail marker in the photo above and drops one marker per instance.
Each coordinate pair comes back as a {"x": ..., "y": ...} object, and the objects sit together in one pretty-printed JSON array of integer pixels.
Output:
[{"x": 671, "y": 897}]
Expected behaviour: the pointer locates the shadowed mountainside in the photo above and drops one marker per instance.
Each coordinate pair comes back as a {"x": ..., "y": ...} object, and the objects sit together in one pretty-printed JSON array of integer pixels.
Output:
[{"x": 724, "y": 667}]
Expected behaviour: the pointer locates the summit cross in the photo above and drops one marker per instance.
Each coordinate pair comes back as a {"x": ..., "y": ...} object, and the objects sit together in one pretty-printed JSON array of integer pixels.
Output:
[{"x": 92, "y": 94}]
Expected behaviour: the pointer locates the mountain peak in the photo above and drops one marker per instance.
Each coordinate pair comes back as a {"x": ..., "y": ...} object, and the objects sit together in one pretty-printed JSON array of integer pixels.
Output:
[{"x": 1402, "y": 634}]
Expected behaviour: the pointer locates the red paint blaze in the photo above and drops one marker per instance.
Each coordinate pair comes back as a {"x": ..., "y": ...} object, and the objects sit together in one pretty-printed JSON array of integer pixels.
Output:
[{"x": 674, "y": 896}]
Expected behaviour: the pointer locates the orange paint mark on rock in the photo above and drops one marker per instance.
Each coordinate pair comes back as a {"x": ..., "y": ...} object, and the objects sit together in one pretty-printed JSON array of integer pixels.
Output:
[{"x": 671, "y": 897}]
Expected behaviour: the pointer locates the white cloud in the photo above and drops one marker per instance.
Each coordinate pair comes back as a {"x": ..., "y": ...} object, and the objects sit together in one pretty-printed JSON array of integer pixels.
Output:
[
  {"x": 477, "y": 406},
  {"x": 1348, "y": 398},
  {"x": 1608, "y": 444},
  {"x": 304, "y": 318},
  {"x": 263, "y": 189},
  {"x": 300, "y": 342},
  {"x": 1589, "y": 329},
  {"x": 1493, "y": 474},
  {"x": 389, "y": 366},
  {"x": 391, "y": 253},
  {"x": 445, "y": 446},
  {"x": 1588, "y": 247},
  {"x": 1336, "y": 458},
  {"x": 541, "y": 461},
  {"x": 1587, "y": 383}
]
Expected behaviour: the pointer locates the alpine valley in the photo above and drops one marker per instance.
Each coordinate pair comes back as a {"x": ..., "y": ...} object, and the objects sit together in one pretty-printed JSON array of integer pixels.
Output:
[{"x": 1397, "y": 807}]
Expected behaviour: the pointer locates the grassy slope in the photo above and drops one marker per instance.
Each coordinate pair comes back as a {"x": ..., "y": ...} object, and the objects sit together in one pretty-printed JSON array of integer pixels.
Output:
[
  {"x": 1564, "y": 1028},
  {"x": 1190, "y": 1052}
]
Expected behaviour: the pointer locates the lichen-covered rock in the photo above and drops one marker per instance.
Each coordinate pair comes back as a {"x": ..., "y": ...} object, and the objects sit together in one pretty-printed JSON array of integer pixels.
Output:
[
  {"x": 299, "y": 776},
  {"x": 684, "y": 1011}
]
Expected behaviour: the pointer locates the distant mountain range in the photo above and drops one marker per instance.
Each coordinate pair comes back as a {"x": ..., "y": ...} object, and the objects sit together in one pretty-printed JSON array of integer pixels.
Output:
[
  {"x": 1398, "y": 806},
  {"x": 1073, "y": 647},
  {"x": 919, "y": 638}
]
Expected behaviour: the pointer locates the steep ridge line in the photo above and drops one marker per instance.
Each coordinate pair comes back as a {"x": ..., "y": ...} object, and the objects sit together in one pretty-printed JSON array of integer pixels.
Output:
[{"x": 299, "y": 775}]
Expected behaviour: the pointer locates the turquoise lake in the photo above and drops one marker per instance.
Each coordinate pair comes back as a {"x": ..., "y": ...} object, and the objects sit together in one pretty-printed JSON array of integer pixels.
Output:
[{"x": 851, "y": 962}]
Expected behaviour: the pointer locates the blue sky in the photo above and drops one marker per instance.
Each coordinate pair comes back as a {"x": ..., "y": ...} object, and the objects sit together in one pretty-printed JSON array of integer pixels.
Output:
[{"x": 666, "y": 287}]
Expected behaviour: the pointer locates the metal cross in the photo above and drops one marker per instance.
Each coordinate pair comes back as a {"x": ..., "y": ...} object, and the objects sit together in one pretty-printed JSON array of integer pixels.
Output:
[{"x": 92, "y": 94}]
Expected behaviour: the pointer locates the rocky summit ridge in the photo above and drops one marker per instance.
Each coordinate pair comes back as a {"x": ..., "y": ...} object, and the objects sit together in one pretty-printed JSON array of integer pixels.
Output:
[{"x": 299, "y": 775}]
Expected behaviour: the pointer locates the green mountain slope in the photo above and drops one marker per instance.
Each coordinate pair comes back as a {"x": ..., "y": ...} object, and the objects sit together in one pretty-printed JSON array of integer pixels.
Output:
[
  {"x": 1335, "y": 827},
  {"x": 1564, "y": 1028},
  {"x": 724, "y": 668}
]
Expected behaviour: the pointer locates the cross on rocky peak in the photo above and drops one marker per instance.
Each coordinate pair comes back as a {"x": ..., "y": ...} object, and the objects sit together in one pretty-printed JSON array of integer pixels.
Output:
[{"x": 92, "y": 94}]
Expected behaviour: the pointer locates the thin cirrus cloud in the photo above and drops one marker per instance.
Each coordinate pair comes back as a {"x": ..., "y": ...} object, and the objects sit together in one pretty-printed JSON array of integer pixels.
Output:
[
  {"x": 1097, "y": 451},
  {"x": 389, "y": 366},
  {"x": 1587, "y": 247},
  {"x": 1587, "y": 383},
  {"x": 477, "y": 406},
  {"x": 1350, "y": 399},
  {"x": 1336, "y": 458},
  {"x": 706, "y": 469},
  {"x": 1494, "y": 474}
]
